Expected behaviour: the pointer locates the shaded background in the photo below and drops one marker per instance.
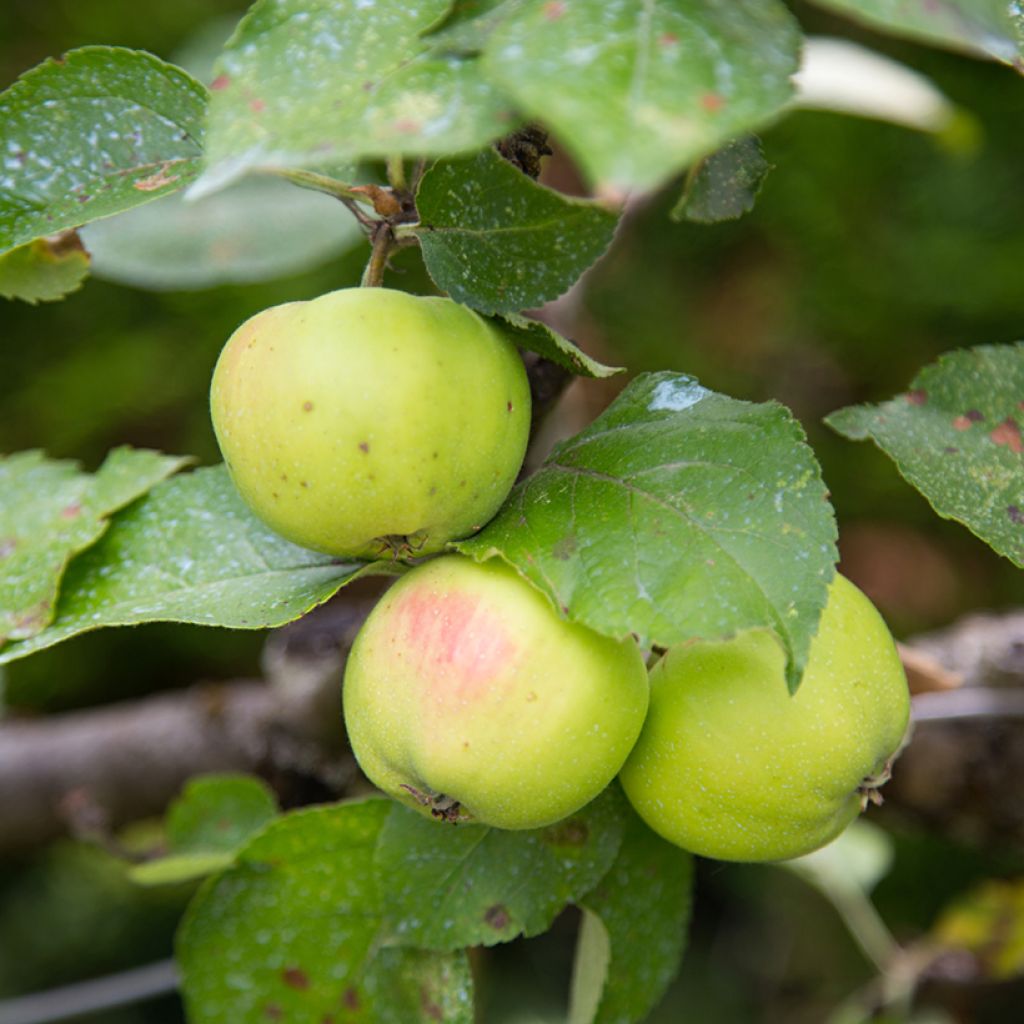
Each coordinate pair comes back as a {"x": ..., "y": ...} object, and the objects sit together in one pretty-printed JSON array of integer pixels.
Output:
[{"x": 872, "y": 249}]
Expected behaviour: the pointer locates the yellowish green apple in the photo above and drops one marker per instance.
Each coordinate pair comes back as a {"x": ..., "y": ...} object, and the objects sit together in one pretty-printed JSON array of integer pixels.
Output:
[
  {"x": 468, "y": 697},
  {"x": 369, "y": 421},
  {"x": 730, "y": 765}
]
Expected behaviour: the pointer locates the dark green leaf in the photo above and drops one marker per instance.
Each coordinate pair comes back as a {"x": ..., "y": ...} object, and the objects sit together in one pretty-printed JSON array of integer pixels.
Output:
[
  {"x": 99, "y": 131},
  {"x": 445, "y": 887},
  {"x": 639, "y": 91},
  {"x": 306, "y": 83},
  {"x": 44, "y": 270},
  {"x": 191, "y": 551},
  {"x": 993, "y": 27},
  {"x": 679, "y": 513},
  {"x": 534, "y": 336},
  {"x": 497, "y": 241},
  {"x": 724, "y": 185},
  {"x": 260, "y": 229},
  {"x": 291, "y": 933},
  {"x": 49, "y": 511},
  {"x": 206, "y": 825},
  {"x": 956, "y": 436},
  {"x": 633, "y": 930}
]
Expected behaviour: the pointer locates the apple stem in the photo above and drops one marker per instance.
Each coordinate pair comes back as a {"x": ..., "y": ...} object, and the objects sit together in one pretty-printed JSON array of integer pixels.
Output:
[{"x": 383, "y": 242}]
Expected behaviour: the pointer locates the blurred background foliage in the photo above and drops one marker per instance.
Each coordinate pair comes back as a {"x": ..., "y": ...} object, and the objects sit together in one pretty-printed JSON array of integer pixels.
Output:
[{"x": 871, "y": 250}]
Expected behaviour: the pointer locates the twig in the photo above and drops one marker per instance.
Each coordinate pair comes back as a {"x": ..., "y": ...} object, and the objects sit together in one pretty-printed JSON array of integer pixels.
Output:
[
  {"x": 123, "y": 989},
  {"x": 971, "y": 702}
]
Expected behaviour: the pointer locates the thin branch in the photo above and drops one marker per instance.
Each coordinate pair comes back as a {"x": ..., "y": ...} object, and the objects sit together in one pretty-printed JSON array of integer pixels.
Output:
[
  {"x": 971, "y": 702},
  {"x": 320, "y": 183},
  {"x": 383, "y": 242},
  {"x": 123, "y": 989}
]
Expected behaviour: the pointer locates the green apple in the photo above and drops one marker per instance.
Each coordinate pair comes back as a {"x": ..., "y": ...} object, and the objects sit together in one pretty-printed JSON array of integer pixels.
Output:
[
  {"x": 467, "y": 697},
  {"x": 369, "y": 421},
  {"x": 730, "y": 766}
]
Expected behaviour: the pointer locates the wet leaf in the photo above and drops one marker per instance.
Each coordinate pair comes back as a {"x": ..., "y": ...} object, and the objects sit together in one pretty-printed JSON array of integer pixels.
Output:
[
  {"x": 50, "y": 511},
  {"x": 992, "y": 27},
  {"x": 677, "y": 514},
  {"x": 956, "y": 436},
  {"x": 724, "y": 185},
  {"x": 98, "y": 131},
  {"x": 206, "y": 825},
  {"x": 304, "y": 83},
  {"x": 497, "y": 241},
  {"x": 291, "y": 933},
  {"x": 44, "y": 270},
  {"x": 633, "y": 930},
  {"x": 191, "y": 551},
  {"x": 445, "y": 887},
  {"x": 639, "y": 91}
]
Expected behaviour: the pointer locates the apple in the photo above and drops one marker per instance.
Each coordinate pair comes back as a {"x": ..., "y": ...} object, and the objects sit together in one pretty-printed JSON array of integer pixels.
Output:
[
  {"x": 730, "y": 765},
  {"x": 369, "y": 421},
  {"x": 468, "y": 697}
]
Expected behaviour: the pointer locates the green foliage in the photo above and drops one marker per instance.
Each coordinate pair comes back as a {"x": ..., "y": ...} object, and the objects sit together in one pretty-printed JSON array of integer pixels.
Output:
[
  {"x": 534, "y": 336},
  {"x": 445, "y": 888},
  {"x": 298, "y": 919},
  {"x": 633, "y": 930},
  {"x": 956, "y": 436},
  {"x": 50, "y": 511},
  {"x": 206, "y": 825},
  {"x": 258, "y": 230},
  {"x": 497, "y": 241},
  {"x": 724, "y": 185},
  {"x": 44, "y": 270},
  {"x": 99, "y": 131},
  {"x": 191, "y": 552},
  {"x": 610, "y": 77},
  {"x": 679, "y": 513},
  {"x": 991, "y": 27}
]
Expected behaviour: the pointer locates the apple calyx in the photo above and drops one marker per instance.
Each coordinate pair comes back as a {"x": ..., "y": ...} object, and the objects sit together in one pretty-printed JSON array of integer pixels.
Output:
[{"x": 442, "y": 807}]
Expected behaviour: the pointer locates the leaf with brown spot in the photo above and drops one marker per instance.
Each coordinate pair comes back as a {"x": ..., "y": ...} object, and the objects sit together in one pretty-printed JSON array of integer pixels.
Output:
[
  {"x": 44, "y": 270},
  {"x": 977, "y": 488},
  {"x": 49, "y": 512}
]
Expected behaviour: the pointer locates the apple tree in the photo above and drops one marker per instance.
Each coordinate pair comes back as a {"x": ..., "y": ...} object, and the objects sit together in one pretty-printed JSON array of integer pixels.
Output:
[{"x": 678, "y": 516}]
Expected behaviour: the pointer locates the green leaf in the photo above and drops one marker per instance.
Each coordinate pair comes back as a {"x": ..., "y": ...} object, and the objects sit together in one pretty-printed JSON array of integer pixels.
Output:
[
  {"x": 956, "y": 437},
  {"x": 311, "y": 83},
  {"x": 99, "y": 131},
  {"x": 723, "y": 186},
  {"x": 678, "y": 513},
  {"x": 261, "y": 229},
  {"x": 191, "y": 551},
  {"x": 445, "y": 887},
  {"x": 633, "y": 930},
  {"x": 992, "y": 27},
  {"x": 206, "y": 825},
  {"x": 469, "y": 23},
  {"x": 44, "y": 270},
  {"x": 291, "y": 933},
  {"x": 638, "y": 91},
  {"x": 49, "y": 511},
  {"x": 497, "y": 241},
  {"x": 534, "y": 336}
]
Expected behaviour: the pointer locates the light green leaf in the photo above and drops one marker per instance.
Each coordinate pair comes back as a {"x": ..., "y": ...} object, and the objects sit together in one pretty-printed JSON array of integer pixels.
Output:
[
  {"x": 50, "y": 511},
  {"x": 992, "y": 27},
  {"x": 639, "y": 90},
  {"x": 677, "y": 514},
  {"x": 633, "y": 930},
  {"x": 497, "y": 241},
  {"x": 99, "y": 131},
  {"x": 311, "y": 83},
  {"x": 206, "y": 825},
  {"x": 260, "y": 229},
  {"x": 724, "y": 185},
  {"x": 445, "y": 887},
  {"x": 44, "y": 270},
  {"x": 956, "y": 436},
  {"x": 534, "y": 336},
  {"x": 191, "y": 551},
  {"x": 291, "y": 933}
]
